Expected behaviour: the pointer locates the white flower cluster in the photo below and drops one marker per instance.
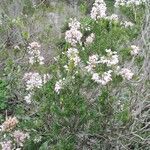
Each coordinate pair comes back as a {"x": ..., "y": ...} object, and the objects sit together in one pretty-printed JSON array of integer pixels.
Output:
[
  {"x": 126, "y": 73},
  {"x": 72, "y": 54},
  {"x": 128, "y": 2},
  {"x": 113, "y": 17},
  {"x": 34, "y": 80},
  {"x": 110, "y": 59},
  {"x": 73, "y": 36},
  {"x": 59, "y": 86},
  {"x": 28, "y": 98},
  {"x": 135, "y": 50},
  {"x": 93, "y": 61},
  {"x": 98, "y": 10},
  {"x": 90, "y": 39},
  {"x": 127, "y": 24},
  {"x": 120, "y": 3},
  {"x": 35, "y": 54},
  {"x": 16, "y": 47},
  {"x": 37, "y": 139},
  {"x": 20, "y": 137},
  {"x": 87, "y": 28},
  {"x": 6, "y": 145},
  {"x": 104, "y": 79},
  {"x": 74, "y": 24}
]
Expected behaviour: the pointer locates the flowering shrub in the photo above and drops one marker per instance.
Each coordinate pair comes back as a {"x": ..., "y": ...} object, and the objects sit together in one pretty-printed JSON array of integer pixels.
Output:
[
  {"x": 84, "y": 104},
  {"x": 87, "y": 98}
]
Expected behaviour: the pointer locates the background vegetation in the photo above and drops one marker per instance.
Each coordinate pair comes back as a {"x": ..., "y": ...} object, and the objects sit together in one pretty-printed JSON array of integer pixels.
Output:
[{"x": 84, "y": 115}]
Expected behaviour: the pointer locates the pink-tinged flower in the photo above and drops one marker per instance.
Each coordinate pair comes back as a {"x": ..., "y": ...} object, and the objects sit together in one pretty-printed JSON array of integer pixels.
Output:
[
  {"x": 98, "y": 10},
  {"x": 126, "y": 73},
  {"x": 6, "y": 145},
  {"x": 33, "y": 80},
  {"x": 35, "y": 54},
  {"x": 73, "y": 36},
  {"x": 74, "y": 24},
  {"x": 104, "y": 79},
  {"x": 20, "y": 137}
]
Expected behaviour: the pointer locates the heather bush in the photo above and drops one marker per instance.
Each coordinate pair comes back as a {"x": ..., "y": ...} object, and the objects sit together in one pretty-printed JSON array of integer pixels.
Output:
[{"x": 94, "y": 92}]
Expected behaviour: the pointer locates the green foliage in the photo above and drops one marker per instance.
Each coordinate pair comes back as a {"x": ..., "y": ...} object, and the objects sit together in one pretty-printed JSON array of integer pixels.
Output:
[
  {"x": 28, "y": 7},
  {"x": 3, "y": 95},
  {"x": 134, "y": 14},
  {"x": 83, "y": 7}
]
